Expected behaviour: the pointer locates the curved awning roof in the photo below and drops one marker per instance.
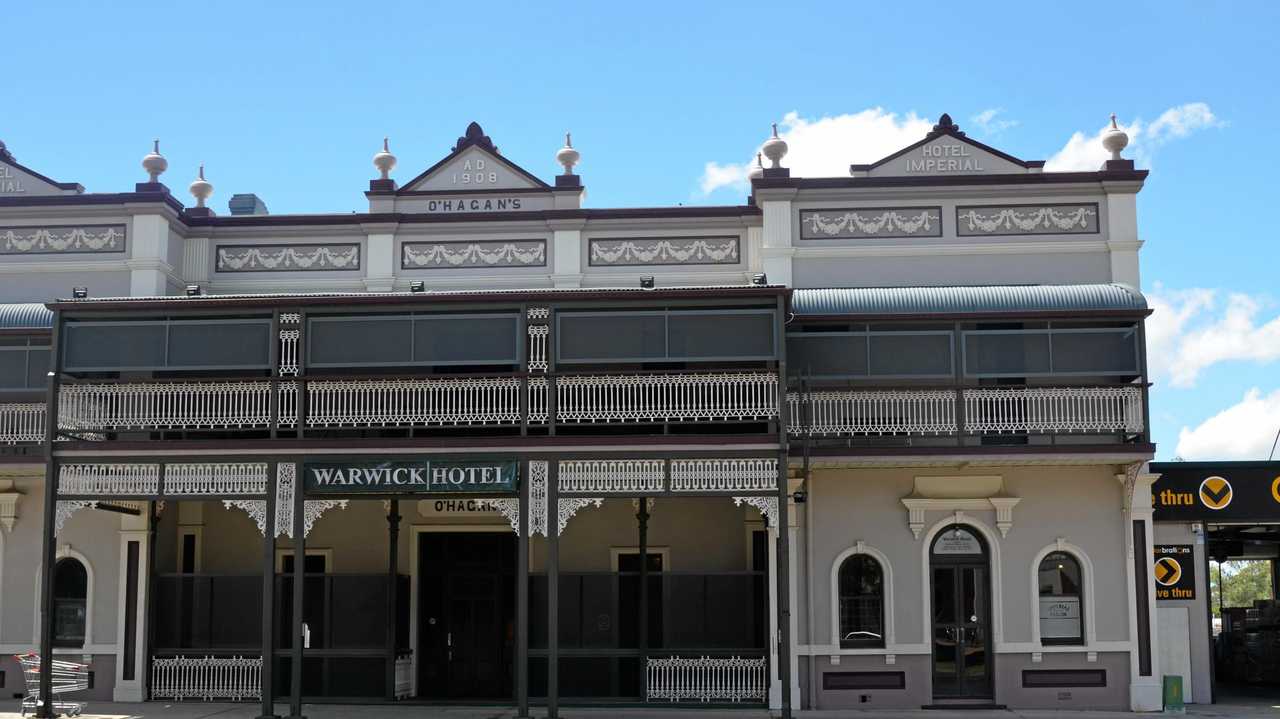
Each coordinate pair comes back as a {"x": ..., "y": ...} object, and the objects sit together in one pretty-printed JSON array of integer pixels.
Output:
[
  {"x": 978, "y": 299},
  {"x": 25, "y": 316}
]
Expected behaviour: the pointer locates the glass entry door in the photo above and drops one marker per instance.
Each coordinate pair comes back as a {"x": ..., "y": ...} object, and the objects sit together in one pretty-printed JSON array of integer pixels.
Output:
[{"x": 961, "y": 616}]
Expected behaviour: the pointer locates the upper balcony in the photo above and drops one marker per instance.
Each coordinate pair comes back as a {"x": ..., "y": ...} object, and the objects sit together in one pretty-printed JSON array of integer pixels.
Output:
[{"x": 598, "y": 365}]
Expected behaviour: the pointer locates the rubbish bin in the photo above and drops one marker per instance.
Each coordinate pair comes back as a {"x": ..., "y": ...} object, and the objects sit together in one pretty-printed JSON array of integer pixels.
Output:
[{"x": 1173, "y": 694}]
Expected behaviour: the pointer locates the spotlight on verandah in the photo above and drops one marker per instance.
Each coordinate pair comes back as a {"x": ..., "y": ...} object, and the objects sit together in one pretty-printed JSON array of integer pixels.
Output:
[
  {"x": 193, "y": 290},
  {"x": 79, "y": 292},
  {"x": 646, "y": 282},
  {"x": 418, "y": 286},
  {"x": 759, "y": 279}
]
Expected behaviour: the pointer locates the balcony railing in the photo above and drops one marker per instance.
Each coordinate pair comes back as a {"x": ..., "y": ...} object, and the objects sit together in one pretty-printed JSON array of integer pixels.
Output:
[
  {"x": 22, "y": 422},
  {"x": 1116, "y": 409},
  {"x": 470, "y": 401}
]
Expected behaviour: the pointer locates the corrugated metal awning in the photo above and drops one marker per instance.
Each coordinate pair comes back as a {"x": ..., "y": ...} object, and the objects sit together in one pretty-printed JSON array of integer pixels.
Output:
[
  {"x": 978, "y": 299},
  {"x": 25, "y": 316}
]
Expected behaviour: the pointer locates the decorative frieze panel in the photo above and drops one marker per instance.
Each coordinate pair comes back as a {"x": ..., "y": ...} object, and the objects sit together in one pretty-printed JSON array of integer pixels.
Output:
[
  {"x": 206, "y": 479},
  {"x": 62, "y": 240},
  {"x": 630, "y": 251},
  {"x": 462, "y": 254},
  {"x": 612, "y": 476},
  {"x": 64, "y": 509},
  {"x": 539, "y": 331},
  {"x": 1027, "y": 220},
  {"x": 724, "y": 475},
  {"x": 865, "y": 222},
  {"x": 539, "y": 471},
  {"x": 288, "y": 258},
  {"x": 109, "y": 479}
]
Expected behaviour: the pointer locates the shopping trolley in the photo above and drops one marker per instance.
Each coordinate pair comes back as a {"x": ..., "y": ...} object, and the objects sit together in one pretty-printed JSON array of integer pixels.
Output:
[{"x": 67, "y": 677}]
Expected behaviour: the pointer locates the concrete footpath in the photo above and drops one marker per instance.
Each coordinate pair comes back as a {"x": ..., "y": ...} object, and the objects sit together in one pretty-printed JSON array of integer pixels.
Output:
[{"x": 200, "y": 710}]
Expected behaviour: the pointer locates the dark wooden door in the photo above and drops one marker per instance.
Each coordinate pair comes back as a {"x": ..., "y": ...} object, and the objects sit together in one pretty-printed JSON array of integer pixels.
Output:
[{"x": 466, "y": 615}]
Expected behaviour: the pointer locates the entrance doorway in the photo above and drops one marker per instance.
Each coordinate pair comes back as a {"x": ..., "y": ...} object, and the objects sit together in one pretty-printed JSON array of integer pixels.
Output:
[
  {"x": 960, "y": 571},
  {"x": 466, "y": 614}
]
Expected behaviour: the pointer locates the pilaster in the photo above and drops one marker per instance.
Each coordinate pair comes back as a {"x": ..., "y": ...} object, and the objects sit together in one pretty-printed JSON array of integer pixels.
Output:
[
  {"x": 380, "y": 258},
  {"x": 149, "y": 256},
  {"x": 566, "y": 252},
  {"x": 132, "y": 529},
  {"x": 776, "y": 235},
  {"x": 1122, "y": 234}
]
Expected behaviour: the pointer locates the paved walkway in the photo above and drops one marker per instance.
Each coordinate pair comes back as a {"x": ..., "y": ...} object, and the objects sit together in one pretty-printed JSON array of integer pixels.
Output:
[{"x": 200, "y": 710}]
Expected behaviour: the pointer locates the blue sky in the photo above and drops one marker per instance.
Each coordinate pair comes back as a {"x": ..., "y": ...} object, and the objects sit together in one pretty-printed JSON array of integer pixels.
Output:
[{"x": 291, "y": 100}]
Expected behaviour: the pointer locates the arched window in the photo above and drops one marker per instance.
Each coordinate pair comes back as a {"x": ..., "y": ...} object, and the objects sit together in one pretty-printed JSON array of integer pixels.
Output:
[
  {"x": 70, "y": 589},
  {"x": 1061, "y": 606},
  {"x": 861, "y": 594}
]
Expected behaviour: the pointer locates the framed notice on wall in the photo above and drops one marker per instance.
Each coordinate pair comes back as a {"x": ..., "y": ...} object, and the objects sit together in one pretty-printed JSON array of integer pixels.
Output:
[
  {"x": 1175, "y": 571},
  {"x": 1060, "y": 618}
]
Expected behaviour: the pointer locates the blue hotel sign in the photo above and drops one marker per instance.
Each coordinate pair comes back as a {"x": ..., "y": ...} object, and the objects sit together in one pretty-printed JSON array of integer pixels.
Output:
[{"x": 415, "y": 476}]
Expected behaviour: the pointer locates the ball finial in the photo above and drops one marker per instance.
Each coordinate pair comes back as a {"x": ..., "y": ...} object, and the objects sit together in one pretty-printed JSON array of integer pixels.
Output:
[
  {"x": 154, "y": 163},
  {"x": 384, "y": 161},
  {"x": 757, "y": 170},
  {"x": 567, "y": 156},
  {"x": 775, "y": 148},
  {"x": 1115, "y": 139},
  {"x": 200, "y": 188}
]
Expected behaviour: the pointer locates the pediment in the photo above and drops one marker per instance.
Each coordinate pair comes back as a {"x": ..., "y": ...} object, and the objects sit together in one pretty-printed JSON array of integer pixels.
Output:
[
  {"x": 474, "y": 165},
  {"x": 19, "y": 181},
  {"x": 946, "y": 151}
]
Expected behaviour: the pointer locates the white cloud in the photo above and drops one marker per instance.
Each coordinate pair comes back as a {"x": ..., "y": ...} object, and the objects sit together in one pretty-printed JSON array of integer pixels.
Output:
[
  {"x": 1242, "y": 431},
  {"x": 987, "y": 122},
  {"x": 1083, "y": 153},
  {"x": 1191, "y": 330},
  {"x": 826, "y": 146}
]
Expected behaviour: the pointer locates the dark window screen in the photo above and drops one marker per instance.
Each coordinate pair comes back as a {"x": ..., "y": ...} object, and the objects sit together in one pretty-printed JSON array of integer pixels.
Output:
[
  {"x": 1007, "y": 354},
  {"x": 104, "y": 346},
  {"x": 13, "y": 368},
  {"x": 911, "y": 354},
  {"x": 1100, "y": 352},
  {"x": 38, "y": 368},
  {"x": 360, "y": 340},
  {"x": 219, "y": 344},
  {"x": 619, "y": 337},
  {"x": 692, "y": 335},
  {"x": 465, "y": 340},
  {"x": 828, "y": 354}
]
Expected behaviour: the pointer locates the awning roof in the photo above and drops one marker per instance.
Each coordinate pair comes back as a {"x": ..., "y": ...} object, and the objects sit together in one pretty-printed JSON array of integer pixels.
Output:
[
  {"x": 979, "y": 299},
  {"x": 25, "y": 316}
]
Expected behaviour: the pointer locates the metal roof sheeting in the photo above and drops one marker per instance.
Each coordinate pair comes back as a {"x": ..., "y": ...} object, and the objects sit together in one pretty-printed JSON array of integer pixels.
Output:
[
  {"x": 979, "y": 299},
  {"x": 25, "y": 316}
]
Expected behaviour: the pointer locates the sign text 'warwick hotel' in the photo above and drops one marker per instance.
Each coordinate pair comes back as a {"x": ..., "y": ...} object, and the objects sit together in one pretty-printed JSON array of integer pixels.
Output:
[{"x": 411, "y": 477}]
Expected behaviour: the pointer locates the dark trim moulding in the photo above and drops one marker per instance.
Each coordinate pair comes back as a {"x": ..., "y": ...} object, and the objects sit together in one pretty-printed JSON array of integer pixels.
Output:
[
  {"x": 468, "y": 193},
  {"x": 206, "y": 303},
  {"x": 358, "y": 218},
  {"x": 115, "y": 198},
  {"x": 744, "y": 445},
  {"x": 974, "y": 316},
  {"x": 1030, "y": 178},
  {"x": 1138, "y": 450}
]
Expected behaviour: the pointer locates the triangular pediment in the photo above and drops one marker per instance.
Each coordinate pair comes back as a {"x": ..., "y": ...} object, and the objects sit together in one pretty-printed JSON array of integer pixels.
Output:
[
  {"x": 946, "y": 151},
  {"x": 474, "y": 165},
  {"x": 19, "y": 181}
]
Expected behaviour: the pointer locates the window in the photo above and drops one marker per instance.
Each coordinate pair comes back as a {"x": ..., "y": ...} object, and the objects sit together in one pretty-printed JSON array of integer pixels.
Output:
[
  {"x": 404, "y": 340},
  {"x": 24, "y": 364},
  {"x": 665, "y": 336},
  {"x": 1054, "y": 350},
  {"x": 878, "y": 354},
  {"x": 1060, "y": 600},
  {"x": 168, "y": 344},
  {"x": 70, "y": 590},
  {"x": 861, "y": 594}
]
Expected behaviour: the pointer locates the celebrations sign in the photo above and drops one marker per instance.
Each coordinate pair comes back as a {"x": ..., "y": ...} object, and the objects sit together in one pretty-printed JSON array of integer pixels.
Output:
[
  {"x": 1216, "y": 491},
  {"x": 415, "y": 476},
  {"x": 1175, "y": 571}
]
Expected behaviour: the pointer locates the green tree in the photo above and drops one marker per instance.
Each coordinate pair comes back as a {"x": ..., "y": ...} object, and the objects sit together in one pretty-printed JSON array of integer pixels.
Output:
[{"x": 1245, "y": 580}]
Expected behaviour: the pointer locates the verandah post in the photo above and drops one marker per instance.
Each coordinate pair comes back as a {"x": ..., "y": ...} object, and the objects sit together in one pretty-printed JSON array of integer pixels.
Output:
[
  {"x": 783, "y": 544},
  {"x": 642, "y": 520},
  {"x": 522, "y": 598},
  {"x": 49, "y": 549},
  {"x": 268, "y": 596},
  {"x": 299, "y": 581},
  {"x": 393, "y": 614},
  {"x": 553, "y": 589}
]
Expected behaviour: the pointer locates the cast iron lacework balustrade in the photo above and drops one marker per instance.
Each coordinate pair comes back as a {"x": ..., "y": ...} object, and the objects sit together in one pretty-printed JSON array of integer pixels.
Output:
[
  {"x": 724, "y": 475},
  {"x": 706, "y": 679},
  {"x": 667, "y": 397},
  {"x": 21, "y": 422},
  {"x": 206, "y": 678},
  {"x": 401, "y": 402},
  {"x": 1054, "y": 409},
  {"x": 165, "y": 405},
  {"x": 873, "y": 412}
]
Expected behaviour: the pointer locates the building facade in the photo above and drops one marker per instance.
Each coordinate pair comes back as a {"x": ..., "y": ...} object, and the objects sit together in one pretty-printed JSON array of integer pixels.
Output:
[{"x": 866, "y": 441}]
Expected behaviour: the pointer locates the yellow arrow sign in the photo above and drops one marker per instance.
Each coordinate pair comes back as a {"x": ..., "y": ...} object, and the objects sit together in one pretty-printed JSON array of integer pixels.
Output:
[
  {"x": 1215, "y": 492},
  {"x": 1168, "y": 571}
]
